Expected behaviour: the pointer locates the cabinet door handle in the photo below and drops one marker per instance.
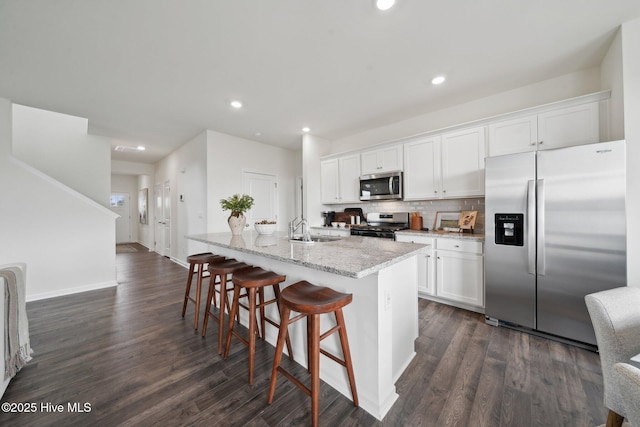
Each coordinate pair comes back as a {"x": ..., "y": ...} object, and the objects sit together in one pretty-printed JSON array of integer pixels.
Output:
[
  {"x": 435, "y": 191},
  {"x": 456, "y": 246},
  {"x": 541, "y": 142}
]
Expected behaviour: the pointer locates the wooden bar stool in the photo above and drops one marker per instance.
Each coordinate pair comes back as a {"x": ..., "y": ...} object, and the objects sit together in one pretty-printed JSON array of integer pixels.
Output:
[
  {"x": 253, "y": 280},
  {"x": 197, "y": 265},
  {"x": 311, "y": 301},
  {"x": 222, "y": 269}
]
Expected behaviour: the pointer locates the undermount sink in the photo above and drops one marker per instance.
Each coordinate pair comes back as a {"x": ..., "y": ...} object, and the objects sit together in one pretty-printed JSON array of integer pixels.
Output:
[{"x": 315, "y": 239}]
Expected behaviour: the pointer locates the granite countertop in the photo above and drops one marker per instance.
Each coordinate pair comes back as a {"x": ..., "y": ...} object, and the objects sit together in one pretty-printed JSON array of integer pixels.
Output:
[
  {"x": 352, "y": 256},
  {"x": 444, "y": 234}
]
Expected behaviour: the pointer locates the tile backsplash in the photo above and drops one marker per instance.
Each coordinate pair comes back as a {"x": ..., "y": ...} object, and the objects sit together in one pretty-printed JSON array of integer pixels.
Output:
[{"x": 427, "y": 209}]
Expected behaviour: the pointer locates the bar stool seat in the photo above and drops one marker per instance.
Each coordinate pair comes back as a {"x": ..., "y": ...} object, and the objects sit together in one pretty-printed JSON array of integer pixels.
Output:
[
  {"x": 197, "y": 265},
  {"x": 222, "y": 269},
  {"x": 253, "y": 280},
  {"x": 311, "y": 301}
]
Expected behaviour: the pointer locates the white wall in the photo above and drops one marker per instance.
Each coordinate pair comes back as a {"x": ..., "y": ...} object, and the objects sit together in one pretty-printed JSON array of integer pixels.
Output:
[
  {"x": 66, "y": 239},
  {"x": 121, "y": 167},
  {"x": 313, "y": 148},
  {"x": 556, "y": 89},
  {"x": 631, "y": 77},
  {"x": 186, "y": 168},
  {"x": 611, "y": 78},
  {"x": 228, "y": 157},
  {"x": 58, "y": 145}
]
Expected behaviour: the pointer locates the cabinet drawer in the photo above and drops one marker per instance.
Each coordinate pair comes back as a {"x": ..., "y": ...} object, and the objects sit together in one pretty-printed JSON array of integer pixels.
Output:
[
  {"x": 423, "y": 240},
  {"x": 459, "y": 245}
]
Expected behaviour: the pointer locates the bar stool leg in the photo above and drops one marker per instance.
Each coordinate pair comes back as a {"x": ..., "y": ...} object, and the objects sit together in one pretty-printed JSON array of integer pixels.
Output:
[
  {"x": 223, "y": 299},
  {"x": 186, "y": 292},
  {"x": 263, "y": 322},
  {"x": 234, "y": 310},
  {"x": 276, "y": 292},
  {"x": 198, "y": 291},
  {"x": 252, "y": 331},
  {"x": 283, "y": 334},
  {"x": 344, "y": 342},
  {"x": 210, "y": 295},
  {"x": 314, "y": 362}
]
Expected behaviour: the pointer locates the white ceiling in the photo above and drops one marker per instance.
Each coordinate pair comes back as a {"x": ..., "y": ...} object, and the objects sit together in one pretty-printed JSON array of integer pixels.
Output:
[{"x": 159, "y": 72}]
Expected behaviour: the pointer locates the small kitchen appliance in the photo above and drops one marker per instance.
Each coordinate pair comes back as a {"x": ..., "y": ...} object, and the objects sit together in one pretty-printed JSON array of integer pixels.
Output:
[
  {"x": 328, "y": 217},
  {"x": 380, "y": 224},
  {"x": 381, "y": 186}
]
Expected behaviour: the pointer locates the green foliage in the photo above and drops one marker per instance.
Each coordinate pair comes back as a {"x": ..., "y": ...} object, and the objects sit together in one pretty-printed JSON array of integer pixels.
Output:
[{"x": 237, "y": 204}]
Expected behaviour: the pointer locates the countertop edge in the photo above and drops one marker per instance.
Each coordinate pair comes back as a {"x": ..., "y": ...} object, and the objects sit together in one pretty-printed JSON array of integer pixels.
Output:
[
  {"x": 351, "y": 274},
  {"x": 443, "y": 235}
]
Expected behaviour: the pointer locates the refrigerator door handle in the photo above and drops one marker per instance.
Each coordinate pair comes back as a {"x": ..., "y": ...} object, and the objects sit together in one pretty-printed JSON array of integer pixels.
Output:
[
  {"x": 531, "y": 227},
  {"x": 541, "y": 233}
]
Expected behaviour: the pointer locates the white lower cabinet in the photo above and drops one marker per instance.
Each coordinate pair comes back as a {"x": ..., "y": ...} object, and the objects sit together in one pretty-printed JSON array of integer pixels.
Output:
[
  {"x": 451, "y": 270},
  {"x": 426, "y": 263}
]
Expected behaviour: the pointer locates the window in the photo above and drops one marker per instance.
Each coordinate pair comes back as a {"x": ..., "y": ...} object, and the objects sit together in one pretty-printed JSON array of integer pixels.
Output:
[{"x": 117, "y": 201}]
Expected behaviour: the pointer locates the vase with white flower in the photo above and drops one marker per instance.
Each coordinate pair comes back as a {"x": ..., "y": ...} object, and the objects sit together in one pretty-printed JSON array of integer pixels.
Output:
[{"x": 238, "y": 205}]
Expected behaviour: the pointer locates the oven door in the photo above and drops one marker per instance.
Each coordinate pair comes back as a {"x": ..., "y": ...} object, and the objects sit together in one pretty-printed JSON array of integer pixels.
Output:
[
  {"x": 373, "y": 233},
  {"x": 381, "y": 186}
]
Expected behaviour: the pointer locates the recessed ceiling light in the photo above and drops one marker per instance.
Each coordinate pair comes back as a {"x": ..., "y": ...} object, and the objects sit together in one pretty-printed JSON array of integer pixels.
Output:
[
  {"x": 125, "y": 149},
  {"x": 236, "y": 104},
  {"x": 306, "y": 129},
  {"x": 257, "y": 134},
  {"x": 437, "y": 80},
  {"x": 385, "y": 4}
]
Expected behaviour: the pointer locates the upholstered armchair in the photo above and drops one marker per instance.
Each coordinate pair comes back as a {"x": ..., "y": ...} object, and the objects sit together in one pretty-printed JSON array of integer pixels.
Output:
[
  {"x": 615, "y": 314},
  {"x": 628, "y": 380}
]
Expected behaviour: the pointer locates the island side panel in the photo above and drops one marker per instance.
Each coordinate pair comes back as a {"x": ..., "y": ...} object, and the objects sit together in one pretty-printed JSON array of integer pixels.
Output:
[
  {"x": 399, "y": 283},
  {"x": 369, "y": 326}
]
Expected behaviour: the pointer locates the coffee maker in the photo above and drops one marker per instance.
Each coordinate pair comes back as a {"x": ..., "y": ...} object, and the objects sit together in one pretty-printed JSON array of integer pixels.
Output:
[{"x": 329, "y": 217}]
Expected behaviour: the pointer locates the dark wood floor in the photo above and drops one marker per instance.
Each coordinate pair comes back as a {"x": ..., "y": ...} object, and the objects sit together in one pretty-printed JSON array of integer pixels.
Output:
[{"x": 128, "y": 353}]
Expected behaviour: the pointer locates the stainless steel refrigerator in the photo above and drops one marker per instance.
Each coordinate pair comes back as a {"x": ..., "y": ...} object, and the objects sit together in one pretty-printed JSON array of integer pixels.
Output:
[{"x": 555, "y": 232}]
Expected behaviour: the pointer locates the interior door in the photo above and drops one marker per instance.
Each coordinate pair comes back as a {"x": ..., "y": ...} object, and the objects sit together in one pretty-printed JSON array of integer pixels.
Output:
[
  {"x": 166, "y": 217},
  {"x": 263, "y": 189},
  {"x": 158, "y": 228},
  {"x": 121, "y": 204}
]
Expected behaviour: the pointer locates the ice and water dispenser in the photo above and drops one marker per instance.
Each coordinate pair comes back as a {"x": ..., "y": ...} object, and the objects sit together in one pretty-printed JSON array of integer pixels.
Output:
[{"x": 509, "y": 229}]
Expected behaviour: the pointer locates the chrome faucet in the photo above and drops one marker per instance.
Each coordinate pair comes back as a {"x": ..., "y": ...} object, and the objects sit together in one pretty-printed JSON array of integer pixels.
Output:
[{"x": 293, "y": 227}]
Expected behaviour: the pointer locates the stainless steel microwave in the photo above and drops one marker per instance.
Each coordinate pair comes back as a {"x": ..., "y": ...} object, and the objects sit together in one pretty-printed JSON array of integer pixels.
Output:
[{"x": 381, "y": 186}]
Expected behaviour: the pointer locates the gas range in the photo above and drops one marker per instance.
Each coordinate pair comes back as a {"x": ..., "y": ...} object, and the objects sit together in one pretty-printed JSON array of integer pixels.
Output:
[{"x": 380, "y": 224}]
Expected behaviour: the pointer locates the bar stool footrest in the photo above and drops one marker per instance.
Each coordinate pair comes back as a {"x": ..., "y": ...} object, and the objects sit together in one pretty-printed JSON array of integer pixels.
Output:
[{"x": 295, "y": 381}]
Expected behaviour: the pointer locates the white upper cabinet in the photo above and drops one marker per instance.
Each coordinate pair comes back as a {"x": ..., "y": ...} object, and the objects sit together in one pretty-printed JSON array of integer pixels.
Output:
[
  {"x": 329, "y": 181},
  {"x": 422, "y": 174},
  {"x": 463, "y": 154},
  {"x": 444, "y": 166},
  {"x": 340, "y": 179},
  {"x": 569, "y": 126},
  {"x": 349, "y": 179},
  {"x": 387, "y": 159},
  {"x": 561, "y": 127},
  {"x": 513, "y": 136}
]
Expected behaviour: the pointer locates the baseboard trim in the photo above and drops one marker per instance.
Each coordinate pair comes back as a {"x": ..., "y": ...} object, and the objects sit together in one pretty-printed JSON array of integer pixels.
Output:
[
  {"x": 179, "y": 262},
  {"x": 70, "y": 291}
]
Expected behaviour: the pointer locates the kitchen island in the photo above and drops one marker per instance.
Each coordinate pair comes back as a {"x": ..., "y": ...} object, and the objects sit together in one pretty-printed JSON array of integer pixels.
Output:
[{"x": 382, "y": 320}]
